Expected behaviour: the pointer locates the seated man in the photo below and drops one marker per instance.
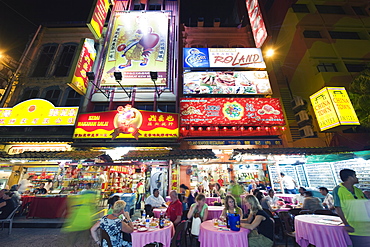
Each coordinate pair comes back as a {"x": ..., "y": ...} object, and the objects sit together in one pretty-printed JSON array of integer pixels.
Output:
[
  {"x": 328, "y": 201},
  {"x": 155, "y": 200},
  {"x": 267, "y": 202},
  {"x": 2, "y": 192},
  {"x": 7, "y": 206},
  {"x": 41, "y": 190},
  {"x": 311, "y": 203},
  {"x": 174, "y": 210},
  {"x": 299, "y": 198}
]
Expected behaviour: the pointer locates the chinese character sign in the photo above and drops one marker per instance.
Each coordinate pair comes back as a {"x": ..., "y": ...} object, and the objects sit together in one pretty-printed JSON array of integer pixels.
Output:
[
  {"x": 231, "y": 111},
  {"x": 97, "y": 17},
  {"x": 138, "y": 45}
]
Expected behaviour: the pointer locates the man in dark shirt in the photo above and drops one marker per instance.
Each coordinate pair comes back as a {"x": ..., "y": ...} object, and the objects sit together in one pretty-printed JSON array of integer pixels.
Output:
[
  {"x": 7, "y": 206},
  {"x": 2, "y": 192},
  {"x": 41, "y": 190}
]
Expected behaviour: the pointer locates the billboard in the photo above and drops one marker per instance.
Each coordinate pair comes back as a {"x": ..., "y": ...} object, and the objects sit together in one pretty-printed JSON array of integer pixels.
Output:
[
  {"x": 82, "y": 64},
  {"x": 138, "y": 45},
  {"x": 231, "y": 111},
  {"x": 97, "y": 17},
  {"x": 257, "y": 24},
  {"x": 127, "y": 122},
  {"x": 333, "y": 108},
  {"x": 227, "y": 82},
  {"x": 223, "y": 58},
  {"x": 37, "y": 112}
]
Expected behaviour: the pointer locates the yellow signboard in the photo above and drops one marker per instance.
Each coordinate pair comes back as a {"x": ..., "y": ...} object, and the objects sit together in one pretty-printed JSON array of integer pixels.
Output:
[
  {"x": 37, "y": 112},
  {"x": 333, "y": 108}
]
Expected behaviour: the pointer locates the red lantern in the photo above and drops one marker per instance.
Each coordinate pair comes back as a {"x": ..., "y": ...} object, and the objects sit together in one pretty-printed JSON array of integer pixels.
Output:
[
  {"x": 267, "y": 128},
  {"x": 258, "y": 128},
  {"x": 216, "y": 128},
  {"x": 209, "y": 128},
  {"x": 283, "y": 128},
  {"x": 192, "y": 128},
  {"x": 250, "y": 128},
  {"x": 225, "y": 128},
  {"x": 275, "y": 128},
  {"x": 200, "y": 129},
  {"x": 242, "y": 128},
  {"x": 233, "y": 128},
  {"x": 183, "y": 129}
]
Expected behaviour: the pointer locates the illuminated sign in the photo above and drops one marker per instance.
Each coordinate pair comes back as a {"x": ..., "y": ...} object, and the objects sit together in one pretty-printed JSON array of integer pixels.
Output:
[
  {"x": 97, "y": 17},
  {"x": 138, "y": 45},
  {"x": 231, "y": 111},
  {"x": 227, "y": 82},
  {"x": 257, "y": 24},
  {"x": 123, "y": 169},
  {"x": 127, "y": 122},
  {"x": 17, "y": 149},
  {"x": 37, "y": 112},
  {"x": 234, "y": 142},
  {"x": 333, "y": 108},
  {"x": 82, "y": 64},
  {"x": 223, "y": 58}
]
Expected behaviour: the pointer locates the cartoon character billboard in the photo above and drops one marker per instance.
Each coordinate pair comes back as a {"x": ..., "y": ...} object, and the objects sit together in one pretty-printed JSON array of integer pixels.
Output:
[{"x": 138, "y": 45}]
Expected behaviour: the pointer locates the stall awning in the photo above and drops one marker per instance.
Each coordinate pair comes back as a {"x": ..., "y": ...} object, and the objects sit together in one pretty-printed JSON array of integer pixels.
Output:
[
  {"x": 169, "y": 154},
  {"x": 294, "y": 151},
  {"x": 67, "y": 155}
]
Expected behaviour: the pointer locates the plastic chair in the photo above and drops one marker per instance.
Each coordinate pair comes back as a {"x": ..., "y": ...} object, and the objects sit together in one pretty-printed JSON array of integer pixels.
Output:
[
  {"x": 180, "y": 234},
  {"x": 9, "y": 219},
  {"x": 305, "y": 211},
  {"x": 324, "y": 212},
  {"x": 287, "y": 221},
  {"x": 105, "y": 236},
  {"x": 294, "y": 211}
]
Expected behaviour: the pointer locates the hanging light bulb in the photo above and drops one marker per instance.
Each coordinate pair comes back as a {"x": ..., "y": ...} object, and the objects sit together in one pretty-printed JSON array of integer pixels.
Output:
[
  {"x": 216, "y": 128},
  {"x": 267, "y": 128},
  {"x": 258, "y": 128},
  {"x": 183, "y": 129},
  {"x": 225, "y": 128},
  {"x": 250, "y": 128},
  {"x": 192, "y": 128},
  {"x": 242, "y": 128},
  {"x": 233, "y": 128},
  {"x": 208, "y": 128},
  {"x": 200, "y": 129}
]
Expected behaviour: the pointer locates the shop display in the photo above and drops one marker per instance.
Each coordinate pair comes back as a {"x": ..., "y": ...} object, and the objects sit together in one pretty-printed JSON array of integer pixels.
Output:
[
  {"x": 360, "y": 166},
  {"x": 319, "y": 175}
]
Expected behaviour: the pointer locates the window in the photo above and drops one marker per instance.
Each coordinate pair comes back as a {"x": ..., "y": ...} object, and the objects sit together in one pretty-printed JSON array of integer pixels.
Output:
[
  {"x": 52, "y": 95},
  {"x": 144, "y": 107},
  {"x": 355, "y": 67},
  {"x": 311, "y": 34},
  {"x": 29, "y": 94},
  {"x": 155, "y": 7},
  {"x": 300, "y": 8},
  {"x": 330, "y": 9},
  {"x": 167, "y": 107},
  {"x": 65, "y": 60},
  {"x": 359, "y": 10},
  {"x": 327, "y": 67},
  {"x": 139, "y": 6},
  {"x": 344, "y": 35},
  {"x": 73, "y": 98},
  {"x": 45, "y": 58}
]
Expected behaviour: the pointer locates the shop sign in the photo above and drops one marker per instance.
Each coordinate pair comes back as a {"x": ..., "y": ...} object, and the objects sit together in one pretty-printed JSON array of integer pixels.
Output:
[
  {"x": 234, "y": 142},
  {"x": 333, "y": 108},
  {"x": 227, "y": 82},
  {"x": 123, "y": 169},
  {"x": 223, "y": 58},
  {"x": 257, "y": 24},
  {"x": 82, "y": 64},
  {"x": 37, "y": 112},
  {"x": 248, "y": 167},
  {"x": 17, "y": 149},
  {"x": 231, "y": 111},
  {"x": 97, "y": 17},
  {"x": 138, "y": 45},
  {"x": 127, "y": 122}
]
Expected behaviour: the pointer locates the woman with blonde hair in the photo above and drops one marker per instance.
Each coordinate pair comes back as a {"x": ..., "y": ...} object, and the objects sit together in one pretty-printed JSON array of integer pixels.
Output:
[
  {"x": 199, "y": 208},
  {"x": 231, "y": 207},
  {"x": 114, "y": 226},
  {"x": 259, "y": 220}
]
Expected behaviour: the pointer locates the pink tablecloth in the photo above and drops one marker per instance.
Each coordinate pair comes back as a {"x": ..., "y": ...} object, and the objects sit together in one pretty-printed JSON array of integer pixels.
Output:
[
  {"x": 211, "y": 200},
  {"x": 309, "y": 231},
  {"x": 164, "y": 236},
  {"x": 168, "y": 199},
  {"x": 157, "y": 211},
  {"x": 286, "y": 197},
  {"x": 214, "y": 212},
  {"x": 210, "y": 236}
]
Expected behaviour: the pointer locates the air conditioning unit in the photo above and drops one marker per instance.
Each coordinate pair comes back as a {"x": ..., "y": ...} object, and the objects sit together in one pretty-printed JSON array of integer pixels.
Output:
[
  {"x": 298, "y": 102},
  {"x": 301, "y": 116},
  {"x": 306, "y": 131}
]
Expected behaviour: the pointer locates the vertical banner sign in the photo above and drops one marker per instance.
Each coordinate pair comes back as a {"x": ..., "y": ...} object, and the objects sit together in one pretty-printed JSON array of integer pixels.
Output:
[
  {"x": 333, "y": 108},
  {"x": 82, "y": 64},
  {"x": 138, "y": 45},
  {"x": 97, "y": 17},
  {"x": 257, "y": 24}
]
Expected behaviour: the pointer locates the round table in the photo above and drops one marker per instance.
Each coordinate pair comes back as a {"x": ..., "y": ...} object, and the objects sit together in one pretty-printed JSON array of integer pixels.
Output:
[
  {"x": 157, "y": 212},
  {"x": 214, "y": 212},
  {"x": 212, "y": 236},
  {"x": 211, "y": 200},
  {"x": 163, "y": 236},
  {"x": 168, "y": 198},
  {"x": 321, "y": 231},
  {"x": 286, "y": 197}
]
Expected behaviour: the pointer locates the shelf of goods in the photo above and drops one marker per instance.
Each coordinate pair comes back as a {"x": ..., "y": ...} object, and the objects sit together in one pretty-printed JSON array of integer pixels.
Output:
[{"x": 42, "y": 174}]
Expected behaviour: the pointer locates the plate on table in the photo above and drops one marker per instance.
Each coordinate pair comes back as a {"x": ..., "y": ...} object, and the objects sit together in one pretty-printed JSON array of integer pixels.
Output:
[{"x": 142, "y": 229}]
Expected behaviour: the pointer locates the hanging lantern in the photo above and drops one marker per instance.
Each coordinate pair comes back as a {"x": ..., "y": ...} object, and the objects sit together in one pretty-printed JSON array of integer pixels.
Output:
[
  {"x": 275, "y": 128},
  {"x": 242, "y": 129},
  {"x": 200, "y": 129},
  {"x": 283, "y": 128},
  {"x": 267, "y": 128},
  {"x": 192, "y": 128},
  {"x": 208, "y": 128},
  {"x": 183, "y": 129},
  {"x": 233, "y": 128},
  {"x": 258, "y": 128},
  {"x": 216, "y": 128},
  {"x": 225, "y": 128},
  {"x": 250, "y": 128}
]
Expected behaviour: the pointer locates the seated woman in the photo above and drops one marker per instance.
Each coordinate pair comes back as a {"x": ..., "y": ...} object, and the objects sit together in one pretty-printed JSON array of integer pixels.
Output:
[
  {"x": 114, "y": 226},
  {"x": 231, "y": 207},
  {"x": 217, "y": 191},
  {"x": 258, "y": 219},
  {"x": 199, "y": 208},
  {"x": 7, "y": 206}
]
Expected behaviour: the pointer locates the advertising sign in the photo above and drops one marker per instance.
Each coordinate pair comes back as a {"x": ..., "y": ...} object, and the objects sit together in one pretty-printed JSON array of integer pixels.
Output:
[
  {"x": 82, "y": 64},
  {"x": 234, "y": 142},
  {"x": 138, "y": 45},
  {"x": 127, "y": 122},
  {"x": 333, "y": 108},
  {"x": 97, "y": 17},
  {"x": 257, "y": 24},
  {"x": 227, "y": 82},
  {"x": 223, "y": 58},
  {"x": 231, "y": 111},
  {"x": 37, "y": 112}
]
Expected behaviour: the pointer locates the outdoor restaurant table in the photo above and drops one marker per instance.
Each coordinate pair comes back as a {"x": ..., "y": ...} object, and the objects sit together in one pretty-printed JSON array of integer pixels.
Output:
[
  {"x": 286, "y": 197},
  {"x": 214, "y": 212},
  {"x": 157, "y": 211},
  {"x": 164, "y": 236},
  {"x": 212, "y": 236},
  {"x": 211, "y": 200},
  {"x": 168, "y": 199},
  {"x": 320, "y": 231},
  {"x": 47, "y": 207}
]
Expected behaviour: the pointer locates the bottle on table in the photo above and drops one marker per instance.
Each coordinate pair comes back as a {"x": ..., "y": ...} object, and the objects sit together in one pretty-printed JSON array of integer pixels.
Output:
[
  {"x": 161, "y": 220},
  {"x": 147, "y": 222}
]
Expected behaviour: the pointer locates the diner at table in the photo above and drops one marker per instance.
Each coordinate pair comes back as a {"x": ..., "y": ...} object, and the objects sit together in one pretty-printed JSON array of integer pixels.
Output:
[
  {"x": 231, "y": 207},
  {"x": 299, "y": 198},
  {"x": 311, "y": 203},
  {"x": 199, "y": 208},
  {"x": 174, "y": 210},
  {"x": 155, "y": 200}
]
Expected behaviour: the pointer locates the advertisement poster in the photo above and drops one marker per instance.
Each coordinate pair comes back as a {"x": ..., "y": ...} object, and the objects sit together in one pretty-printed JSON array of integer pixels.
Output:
[
  {"x": 37, "y": 112},
  {"x": 82, "y": 64},
  {"x": 138, "y": 45},
  {"x": 231, "y": 111},
  {"x": 333, "y": 108},
  {"x": 97, "y": 17},
  {"x": 223, "y": 58},
  {"x": 227, "y": 82},
  {"x": 257, "y": 24},
  {"x": 127, "y": 122}
]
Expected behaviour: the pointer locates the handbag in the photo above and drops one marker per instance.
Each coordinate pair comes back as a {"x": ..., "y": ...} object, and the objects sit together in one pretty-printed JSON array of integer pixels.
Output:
[
  {"x": 195, "y": 226},
  {"x": 258, "y": 240}
]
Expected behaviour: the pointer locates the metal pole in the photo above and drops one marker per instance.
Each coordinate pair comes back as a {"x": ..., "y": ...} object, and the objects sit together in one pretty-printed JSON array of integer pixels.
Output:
[{"x": 24, "y": 55}]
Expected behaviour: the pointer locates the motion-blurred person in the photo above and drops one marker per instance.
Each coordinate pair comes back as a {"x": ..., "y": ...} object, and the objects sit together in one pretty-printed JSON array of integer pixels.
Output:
[
  {"x": 114, "y": 226},
  {"x": 174, "y": 210},
  {"x": 155, "y": 200},
  {"x": 16, "y": 197},
  {"x": 2, "y": 192},
  {"x": 188, "y": 197},
  {"x": 25, "y": 184},
  {"x": 289, "y": 184},
  {"x": 7, "y": 206},
  {"x": 328, "y": 202},
  {"x": 311, "y": 203},
  {"x": 49, "y": 185},
  {"x": 260, "y": 185},
  {"x": 205, "y": 183},
  {"x": 236, "y": 191},
  {"x": 140, "y": 189},
  {"x": 221, "y": 181},
  {"x": 299, "y": 198},
  {"x": 252, "y": 186}
]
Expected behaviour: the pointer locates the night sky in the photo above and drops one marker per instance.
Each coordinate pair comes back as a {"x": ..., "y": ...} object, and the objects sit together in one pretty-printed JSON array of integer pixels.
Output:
[{"x": 19, "y": 19}]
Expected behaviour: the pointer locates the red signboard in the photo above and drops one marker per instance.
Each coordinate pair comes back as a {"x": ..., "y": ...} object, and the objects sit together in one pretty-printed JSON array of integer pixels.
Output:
[
  {"x": 97, "y": 17},
  {"x": 231, "y": 111},
  {"x": 127, "y": 122}
]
